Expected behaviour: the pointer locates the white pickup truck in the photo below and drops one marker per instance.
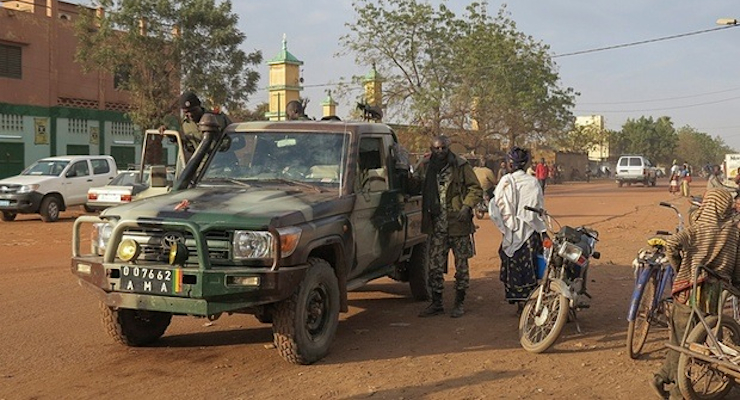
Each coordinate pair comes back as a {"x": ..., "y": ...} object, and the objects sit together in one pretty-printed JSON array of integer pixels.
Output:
[{"x": 53, "y": 184}]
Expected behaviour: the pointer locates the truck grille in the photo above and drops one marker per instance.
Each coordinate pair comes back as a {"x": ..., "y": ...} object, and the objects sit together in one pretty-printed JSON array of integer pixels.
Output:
[{"x": 155, "y": 244}]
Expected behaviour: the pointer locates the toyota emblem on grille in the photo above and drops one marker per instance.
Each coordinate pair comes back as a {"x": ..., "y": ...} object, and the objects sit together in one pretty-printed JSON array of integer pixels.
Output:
[{"x": 170, "y": 238}]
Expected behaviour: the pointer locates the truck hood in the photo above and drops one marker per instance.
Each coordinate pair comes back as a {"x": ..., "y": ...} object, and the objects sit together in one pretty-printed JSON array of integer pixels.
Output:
[
  {"x": 254, "y": 208},
  {"x": 26, "y": 179}
]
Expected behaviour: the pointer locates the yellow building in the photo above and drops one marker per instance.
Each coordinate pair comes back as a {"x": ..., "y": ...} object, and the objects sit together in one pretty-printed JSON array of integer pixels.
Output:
[{"x": 284, "y": 82}]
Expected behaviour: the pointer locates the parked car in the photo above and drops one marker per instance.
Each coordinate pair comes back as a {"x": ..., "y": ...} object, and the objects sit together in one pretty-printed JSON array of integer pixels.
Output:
[
  {"x": 127, "y": 187},
  {"x": 635, "y": 169},
  {"x": 53, "y": 184}
]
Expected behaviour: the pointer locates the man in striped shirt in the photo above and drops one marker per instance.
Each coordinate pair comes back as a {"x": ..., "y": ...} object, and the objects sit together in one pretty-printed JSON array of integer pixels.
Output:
[{"x": 712, "y": 241}]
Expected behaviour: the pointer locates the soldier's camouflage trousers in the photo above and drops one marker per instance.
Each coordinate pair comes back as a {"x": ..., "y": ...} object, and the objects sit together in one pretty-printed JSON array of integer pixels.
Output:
[{"x": 439, "y": 249}]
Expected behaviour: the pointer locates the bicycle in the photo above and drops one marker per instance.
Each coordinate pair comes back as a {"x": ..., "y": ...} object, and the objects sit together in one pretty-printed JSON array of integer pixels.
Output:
[
  {"x": 648, "y": 305},
  {"x": 709, "y": 360}
]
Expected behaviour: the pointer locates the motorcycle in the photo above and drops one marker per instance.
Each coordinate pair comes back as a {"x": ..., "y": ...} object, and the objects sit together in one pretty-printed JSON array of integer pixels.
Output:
[{"x": 561, "y": 290}]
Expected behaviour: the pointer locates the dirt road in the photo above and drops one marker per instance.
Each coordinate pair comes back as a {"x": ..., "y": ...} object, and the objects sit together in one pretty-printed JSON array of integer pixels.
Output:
[{"x": 52, "y": 344}]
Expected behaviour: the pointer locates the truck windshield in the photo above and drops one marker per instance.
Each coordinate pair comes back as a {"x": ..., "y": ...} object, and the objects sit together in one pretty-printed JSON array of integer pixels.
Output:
[
  {"x": 315, "y": 158},
  {"x": 45, "y": 167}
]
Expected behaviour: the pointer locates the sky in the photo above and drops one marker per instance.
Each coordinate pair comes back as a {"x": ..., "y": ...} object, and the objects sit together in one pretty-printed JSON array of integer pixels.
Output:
[{"x": 693, "y": 79}]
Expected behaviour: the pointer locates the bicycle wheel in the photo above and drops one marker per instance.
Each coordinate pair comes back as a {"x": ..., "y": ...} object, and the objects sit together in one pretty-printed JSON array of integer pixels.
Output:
[
  {"x": 637, "y": 330},
  {"x": 697, "y": 379}
]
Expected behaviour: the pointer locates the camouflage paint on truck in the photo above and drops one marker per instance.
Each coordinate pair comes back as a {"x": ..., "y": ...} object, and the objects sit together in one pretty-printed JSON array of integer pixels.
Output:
[{"x": 277, "y": 219}]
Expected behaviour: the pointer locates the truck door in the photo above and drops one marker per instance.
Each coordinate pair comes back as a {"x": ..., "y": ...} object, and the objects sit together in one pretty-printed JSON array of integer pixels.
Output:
[
  {"x": 76, "y": 181},
  {"x": 377, "y": 214}
]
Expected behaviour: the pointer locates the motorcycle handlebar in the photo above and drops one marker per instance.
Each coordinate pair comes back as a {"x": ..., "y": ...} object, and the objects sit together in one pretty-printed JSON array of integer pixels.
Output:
[{"x": 535, "y": 209}]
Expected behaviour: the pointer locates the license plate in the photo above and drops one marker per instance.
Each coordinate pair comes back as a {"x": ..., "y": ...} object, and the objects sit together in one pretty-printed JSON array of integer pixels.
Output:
[
  {"x": 109, "y": 197},
  {"x": 148, "y": 280},
  {"x": 4, "y": 203}
]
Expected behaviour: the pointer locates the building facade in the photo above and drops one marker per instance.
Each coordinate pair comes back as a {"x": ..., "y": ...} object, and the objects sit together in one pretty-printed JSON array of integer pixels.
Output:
[{"x": 48, "y": 105}]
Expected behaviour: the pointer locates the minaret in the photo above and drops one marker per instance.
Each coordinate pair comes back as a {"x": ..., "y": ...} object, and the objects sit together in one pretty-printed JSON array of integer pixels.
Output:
[
  {"x": 284, "y": 82},
  {"x": 328, "y": 106},
  {"x": 373, "y": 84}
]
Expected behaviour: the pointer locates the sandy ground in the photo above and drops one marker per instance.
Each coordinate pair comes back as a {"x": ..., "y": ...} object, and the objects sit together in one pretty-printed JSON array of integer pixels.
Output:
[{"x": 52, "y": 344}]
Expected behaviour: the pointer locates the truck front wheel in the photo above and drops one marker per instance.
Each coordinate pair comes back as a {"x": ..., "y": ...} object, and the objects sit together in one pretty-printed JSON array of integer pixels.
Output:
[
  {"x": 134, "y": 327},
  {"x": 50, "y": 209},
  {"x": 418, "y": 267},
  {"x": 304, "y": 324}
]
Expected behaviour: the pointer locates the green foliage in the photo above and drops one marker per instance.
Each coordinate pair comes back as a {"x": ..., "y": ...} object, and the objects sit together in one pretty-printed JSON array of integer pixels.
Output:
[
  {"x": 443, "y": 71},
  {"x": 157, "y": 44},
  {"x": 699, "y": 149},
  {"x": 655, "y": 139}
]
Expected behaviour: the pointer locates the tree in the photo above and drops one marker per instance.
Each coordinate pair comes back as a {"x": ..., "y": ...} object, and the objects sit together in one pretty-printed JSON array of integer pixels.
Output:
[
  {"x": 655, "y": 139},
  {"x": 154, "y": 45},
  {"x": 243, "y": 114},
  {"x": 445, "y": 71},
  {"x": 410, "y": 45},
  {"x": 698, "y": 148},
  {"x": 511, "y": 78}
]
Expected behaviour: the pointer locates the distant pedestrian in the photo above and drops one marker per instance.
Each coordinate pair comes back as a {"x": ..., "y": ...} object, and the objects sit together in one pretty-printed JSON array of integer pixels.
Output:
[
  {"x": 521, "y": 229},
  {"x": 485, "y": 177},
  {"x": 541, "y": 173},
  {"x": 449, "y": 190}
]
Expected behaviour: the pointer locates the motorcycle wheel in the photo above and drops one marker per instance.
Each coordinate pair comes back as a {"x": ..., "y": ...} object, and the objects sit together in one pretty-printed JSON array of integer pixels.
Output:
[
  {"x": 637, "y": 331},
  {"x": 696, "y": 378},
  {"x": 538, "y": 332}
]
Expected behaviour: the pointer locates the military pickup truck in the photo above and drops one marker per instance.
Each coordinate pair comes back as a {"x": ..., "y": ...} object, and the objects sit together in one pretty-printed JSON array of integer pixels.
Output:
[{"x": 275, "y": 219}]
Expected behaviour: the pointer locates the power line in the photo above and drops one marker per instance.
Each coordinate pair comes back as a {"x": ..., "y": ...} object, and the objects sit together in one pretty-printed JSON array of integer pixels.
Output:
[
  {"x": 619, "y": 46},
  {"x": 664, "y": 108},
  {"x": 664, "y": 99}
]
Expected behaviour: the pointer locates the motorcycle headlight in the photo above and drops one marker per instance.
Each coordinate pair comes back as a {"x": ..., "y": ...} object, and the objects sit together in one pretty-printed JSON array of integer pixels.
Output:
[
  {"x": 28, "y": 188},
  {"x": 100, "y": 234},
  {"x": 570, "y": 252},
  {"x": 259, "y": 244}
]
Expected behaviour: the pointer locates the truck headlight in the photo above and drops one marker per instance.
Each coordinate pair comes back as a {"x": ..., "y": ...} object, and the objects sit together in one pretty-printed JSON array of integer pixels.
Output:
[
  {"x": 28, "y": 188},
  {"x": 259, "y": 244},
  {"x": 252, "y": 244},
  {"x": 99, "y": 236}
]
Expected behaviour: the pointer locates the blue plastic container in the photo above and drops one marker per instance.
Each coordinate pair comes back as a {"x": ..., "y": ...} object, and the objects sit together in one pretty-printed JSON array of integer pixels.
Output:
[{"x": 541, "y": 266}]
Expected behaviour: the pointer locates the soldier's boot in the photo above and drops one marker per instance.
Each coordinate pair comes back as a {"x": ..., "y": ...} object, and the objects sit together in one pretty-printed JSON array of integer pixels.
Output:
[
  {"x": 458, "y": 311},
  {"x": 435, "y": 307}
]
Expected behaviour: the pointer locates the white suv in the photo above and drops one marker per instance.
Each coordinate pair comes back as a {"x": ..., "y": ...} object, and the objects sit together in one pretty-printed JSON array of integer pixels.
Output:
[
  {"x": 635, "y": 169},
  {"x": 52, "y": 184}
]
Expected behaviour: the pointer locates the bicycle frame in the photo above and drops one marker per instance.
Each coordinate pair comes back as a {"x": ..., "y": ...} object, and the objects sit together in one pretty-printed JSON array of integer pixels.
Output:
[
  {"x": 718, "y": 353},
  {"x": 664, "y": 278}
]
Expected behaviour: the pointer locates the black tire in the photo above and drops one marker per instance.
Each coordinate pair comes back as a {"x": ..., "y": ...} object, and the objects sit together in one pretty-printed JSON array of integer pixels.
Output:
[
  {"x": 8, "y": 216},
  {"x": 620, "y": 183},
  {"x": 89, "y": 209},
  {"x": 695, "y": 378},
  {"x": 304, "y": 324},
  {"x": 418, "y": 268},
  {"x": 637, "y": 330},
  {"x": 539, "y": 333},
  {"x": 50, "y": 209},
  {"x": 134, "y": 327}
]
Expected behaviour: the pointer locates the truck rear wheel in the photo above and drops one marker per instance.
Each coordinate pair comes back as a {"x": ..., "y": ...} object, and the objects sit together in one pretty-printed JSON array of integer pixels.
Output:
[
  {"x": 418, "y": 267},
  {"x": 8, "y": 216},
  {"x": 305, "y": 323},
  {"x": 134, "y": 327}
]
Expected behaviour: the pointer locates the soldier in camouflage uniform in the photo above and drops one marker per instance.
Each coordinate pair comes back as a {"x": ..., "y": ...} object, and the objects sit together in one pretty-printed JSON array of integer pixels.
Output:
[
  {"x": 450, "y": 190},
  {"x": 193, "y": 111}
]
